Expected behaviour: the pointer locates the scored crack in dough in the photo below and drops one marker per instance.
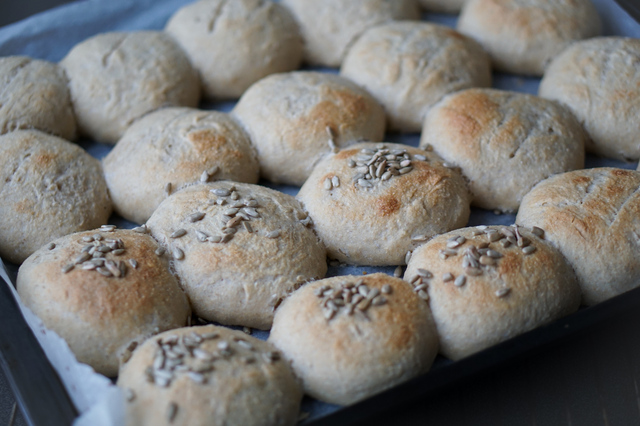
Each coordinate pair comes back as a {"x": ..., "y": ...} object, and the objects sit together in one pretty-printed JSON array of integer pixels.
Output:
[
  {"x": 35, "y": 96},
  {"x": 50, "y": 188},
  {"x": 116, "y": 78},
  {"x": 210, "y": 375},
  {"x": 235, "y": 43},
  {"x": 372, "y": 203},
  {"x": 523, "y": 36},
  {"x": 219, "y": 233},
  {"x": 104, "y": 291},
  {"x": 171, "y": 148},
  {"x": 593, "y": 217},
  {"x": 504, "y": 142},
  {"x": 295, "y": 119},
  {"x": 487, "y": 284},
  {"x": 329, "y": 27},
  {"x": 598, "y": 80},
  {"x": 410, "y": 66},
  {"x": 350, "y": 337}
]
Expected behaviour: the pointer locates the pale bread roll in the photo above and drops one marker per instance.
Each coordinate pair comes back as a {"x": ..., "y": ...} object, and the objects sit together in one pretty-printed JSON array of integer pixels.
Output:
[
  {"x": 239, "y": 249},
  {"x": 106, "y": 300},
  {"x": 488, "y": 284},
  {"x": 173, "y": 147},
  {"x": 295, "y": 119},
  {"x": 409, "y": 66},
  {"x": 593, "y": 217},
  {"x": 523, "y": 36},
  {"x": 116, "y": 78},
  {"x": 209, "y": 376},
  {"x": 598, "y": 80},
  {"x": 35, "y": 95},
  {"x": 351, "y": 337},
  {"x": 504, "y": 142},
  {"x": 233, "y": 44},
  {"x": 366, "y": 219},
  {"x": 50, "y": 188},
  {"x": 329, "y": 27}
]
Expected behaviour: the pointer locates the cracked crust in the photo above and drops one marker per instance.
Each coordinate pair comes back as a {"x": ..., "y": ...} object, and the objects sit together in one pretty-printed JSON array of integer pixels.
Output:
[
  {"x": 599, "y": 80},
  {"x": 221, "y": 279},
  {"x": 593, "y": 217},
  {"x": 378, "y": 226},
  {"x": 330, "y": 27},
  {"x": 49, "y": 188},
  {"x": 116, "y": 78},
  {"x": 523, "y": 36},
  {"x": 541, "y": 285},
  {"x": 351, "y": 357},
  {"x": 34, "y": 95},
  {"x": 292, "y": 116},
  {"x": 409, "y": 66},
  {"x": 504, "y": 142},
  {"x": 235, "y": 43},
  {"x": 175, "y": 146}
]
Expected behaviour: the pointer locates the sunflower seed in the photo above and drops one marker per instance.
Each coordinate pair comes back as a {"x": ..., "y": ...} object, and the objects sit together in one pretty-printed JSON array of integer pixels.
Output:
[
  {"x": 232, "y": 224},
  {"x": 140, "y": 229},
  {"x": 273, "y": 234},
  {"x": 87, "y": 238},
  {"x": 172, "y": 411},
  {"x": 247, "y": 227},
  {"x": 405, "y": 170},
  {"x": 528, "y": 250},
  {"x": 327, "y": 184},
  {"x": 420, "y": 157},
  {"x": 117, "y": 252},
  {"x": 487, "y": 261},
  {"x": 177, "y": 253},
  {"x": 460, "y": 281},
  {"x": 538, "y": 232},
  {"x": 407, "y": 257},
  {"x": 397, "y": 272},
  {"x": 167, "y": 189},
  {"x": 419, "y": 238},
  {"x": 104, "y": 271},
  {"x": 133, "y": 263},
  {"x": 423, "y": 295},
  {"x": 424, "y": 273},
  {"x": 503, "y": 292},
  {"x": 195, "y": 217},
  {"x": 68, "y": 267},
  {"x": 335, "y": 181},
  {"x": 447, "y": 277},
  {"x": 83, "y": 257}
]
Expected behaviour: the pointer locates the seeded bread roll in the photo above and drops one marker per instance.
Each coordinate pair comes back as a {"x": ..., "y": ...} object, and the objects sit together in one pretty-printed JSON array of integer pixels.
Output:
[
  {"x": 598, "y": 80},
  {"x": 504, "y": 142},
  {"x": 295, "y": 119},
  {"x": 351, "y": 337},
  {"x": 523, "y": 36},
  {"x": 233, "y": 44},
  {"x": 49, "y": 188},
  {"x": 116, "y": 78},
  {"x": 488, "y": 284},
  {"x": 329, "y": 27},
  {"x": 593, "y": 217},
  {"x": 446, "y": 6},
  {"x": 35, "y": 96},
  {"x": 238, "y": 249},
  {"x": 372, "y": 203},
  {"x": 103, "y": 291},
  {"x": 409, "y": 66},
  {"x": 173, "y": 147},
  {"x": 209, "y": 375}
]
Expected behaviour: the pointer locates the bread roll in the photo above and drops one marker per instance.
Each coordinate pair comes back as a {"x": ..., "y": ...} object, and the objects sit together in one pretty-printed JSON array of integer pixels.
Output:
[
  {"x": 593, "y": 217},
  {"x": 295, "y": 119},
  {"x": 116, "y": 78},
  {"x": 173, "y": 147},
  {"x": 238, "y": 249},
  {"x": 523, "y": 36},
  {"x": 104, "y": 291},
  {"x": 598, "y": 80},
  {"x": 211, "y": 376},
  {"x": 50, "y": 188},
  {"x": 410, "y": 66},
  {"x": 35, "y": 96},
  {"x": 504, "y": 142},
  {"x": 374, "y": 215},
  {"x": 233, "y": 44},
  {"x": 351, "y": 337},
  {"x": 488, "y": 284}
]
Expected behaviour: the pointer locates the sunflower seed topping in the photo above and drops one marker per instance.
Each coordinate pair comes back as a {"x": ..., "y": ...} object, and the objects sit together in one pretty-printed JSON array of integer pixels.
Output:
[
  {"x": 68, "y": 267},
  {"x": 460, "y": 281},
  {"x": 503, "y": 292},
  {"x": 273, "y": 234},
  {"x": 327, "y": 184},
  {"x": 172, "y": 411},
  {"x": 397, "y": 272},
  {"x": 160, "y": 251},
  {"x": 178, "y": 233},
  {"x": 528, "y": 250},
  {"x": 447, "y": 277},
  {"x": 538, "y": 232}
]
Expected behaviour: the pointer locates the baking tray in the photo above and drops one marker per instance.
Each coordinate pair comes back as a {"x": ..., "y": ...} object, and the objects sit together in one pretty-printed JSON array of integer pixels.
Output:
[{"x": 44, "y": 400}]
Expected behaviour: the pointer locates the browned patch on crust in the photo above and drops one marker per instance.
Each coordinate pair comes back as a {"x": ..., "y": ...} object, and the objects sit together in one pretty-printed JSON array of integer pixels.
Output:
[
  {"x": 346, "y": 154},
  {"x": 469, "y": 113},
  {"x": 510, "y": 264},
  {"x": 42, "y": 160},
  {"x": 206, "y": 139},
  {"x": 580, "y": 180},
  {"x": 622, "y": 173},
  {"x": 387, "y": 204}
]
